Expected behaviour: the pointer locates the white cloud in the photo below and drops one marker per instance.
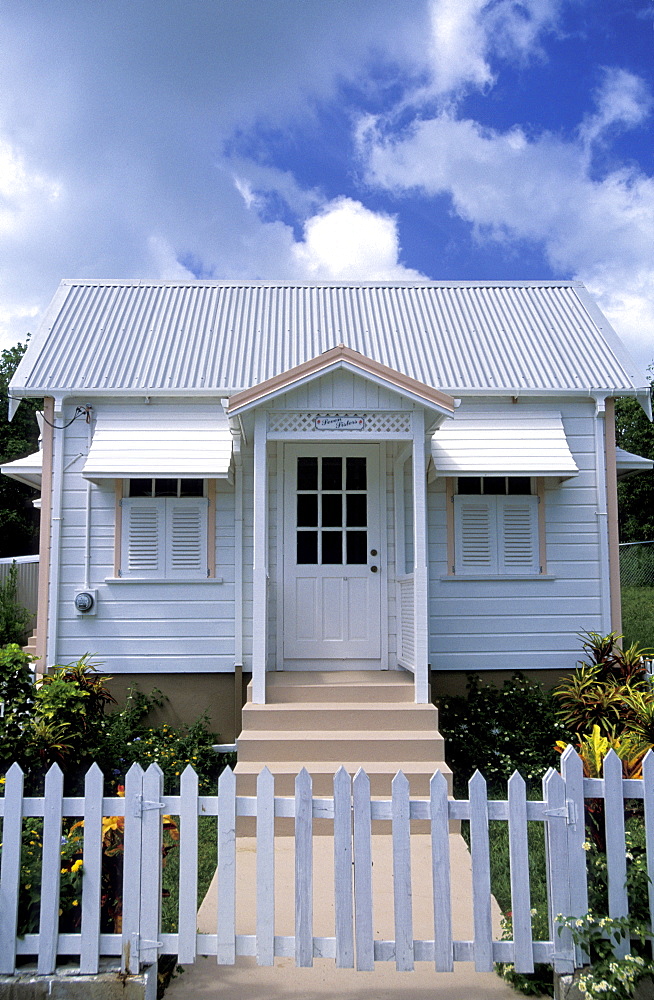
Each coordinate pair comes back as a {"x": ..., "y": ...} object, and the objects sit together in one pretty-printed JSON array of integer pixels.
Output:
[
  {"x": 510, "y": 186},
  {"x": 622, "y": 100},
  {"x": 346, "y": 241},
  {"x": 466, "y": 34},
  {"x": 21, "y": 188}
]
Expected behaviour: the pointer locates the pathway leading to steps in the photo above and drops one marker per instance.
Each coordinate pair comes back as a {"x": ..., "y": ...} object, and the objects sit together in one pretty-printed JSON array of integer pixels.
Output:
[{"x": 247, "y": 981}]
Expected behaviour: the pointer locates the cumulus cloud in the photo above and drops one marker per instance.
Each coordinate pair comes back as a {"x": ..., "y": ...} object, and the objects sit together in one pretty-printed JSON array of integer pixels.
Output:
[
  {"x": 346, "y": 241},
  {"x": 509, "y": 185},
  {"x": 466, "y": 34}
]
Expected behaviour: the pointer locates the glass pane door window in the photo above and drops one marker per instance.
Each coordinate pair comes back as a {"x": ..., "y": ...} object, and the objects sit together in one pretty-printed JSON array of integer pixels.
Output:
[{"x": 332, "y": 511}]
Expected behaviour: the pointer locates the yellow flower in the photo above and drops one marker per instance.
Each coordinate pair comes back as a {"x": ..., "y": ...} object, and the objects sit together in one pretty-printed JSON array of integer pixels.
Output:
[
  {"x": 76, "y": 867},
  {"x": 29, "y": 885},
  {"x": 75, "y": 902},
  {"x": 64, "y": 871}
]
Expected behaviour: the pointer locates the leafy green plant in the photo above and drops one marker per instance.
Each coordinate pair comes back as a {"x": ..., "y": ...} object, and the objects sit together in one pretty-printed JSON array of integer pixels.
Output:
[
  {"x": 585, "y": 700},
  {"x": 608, "y": 974},
  {"x": 14, "y": 618},
  {"x": 499, "y": 730},
  {"x": 538, "y": 982},
  {"x": 17, "y": 698}
]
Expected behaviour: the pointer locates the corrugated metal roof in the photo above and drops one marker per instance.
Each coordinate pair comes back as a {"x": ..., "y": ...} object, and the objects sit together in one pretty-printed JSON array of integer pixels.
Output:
[
  {"x": 215, "y": 336},
  {"x": 521, "y": 444}
]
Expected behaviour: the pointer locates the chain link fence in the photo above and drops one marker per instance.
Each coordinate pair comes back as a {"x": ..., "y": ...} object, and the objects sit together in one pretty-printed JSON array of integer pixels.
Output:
[{"x": 637, "y": 564}]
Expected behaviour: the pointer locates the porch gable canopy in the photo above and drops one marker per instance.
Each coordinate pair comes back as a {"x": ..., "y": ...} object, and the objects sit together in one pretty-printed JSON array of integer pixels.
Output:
[
  {"x": 523, "y": 443},
  {"x": 164, "y": 442},
  {"x": 343, "y": 357}
]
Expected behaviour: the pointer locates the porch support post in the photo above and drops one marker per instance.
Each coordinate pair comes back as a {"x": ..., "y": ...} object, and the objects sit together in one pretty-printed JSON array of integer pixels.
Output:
[
  {"x": 260, "y": 562},
  {"x": 420, "y": 571}
]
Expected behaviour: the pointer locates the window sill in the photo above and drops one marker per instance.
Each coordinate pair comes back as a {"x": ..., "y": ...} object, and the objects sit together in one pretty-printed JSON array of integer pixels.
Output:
[
  {"x": 161, "y": 579},
  {"x": 497, "y": 576}
]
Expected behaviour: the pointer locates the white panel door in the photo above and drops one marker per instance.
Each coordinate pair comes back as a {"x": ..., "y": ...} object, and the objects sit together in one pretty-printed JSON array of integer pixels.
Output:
[{"x": 332, "y": 566}]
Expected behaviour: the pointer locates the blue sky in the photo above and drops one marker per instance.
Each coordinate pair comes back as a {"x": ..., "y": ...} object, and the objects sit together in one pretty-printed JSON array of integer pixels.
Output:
[{"x": 328, "y": 139}]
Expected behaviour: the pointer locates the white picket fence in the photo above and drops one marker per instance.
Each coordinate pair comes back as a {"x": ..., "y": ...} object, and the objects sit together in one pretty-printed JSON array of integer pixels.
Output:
[{"x": 351, "y": 811}]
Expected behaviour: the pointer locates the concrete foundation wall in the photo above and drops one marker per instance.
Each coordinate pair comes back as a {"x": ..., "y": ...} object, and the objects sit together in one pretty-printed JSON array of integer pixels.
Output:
[
  {"x": 453, "y": 682},
  {"x": 188, "y": 697}
]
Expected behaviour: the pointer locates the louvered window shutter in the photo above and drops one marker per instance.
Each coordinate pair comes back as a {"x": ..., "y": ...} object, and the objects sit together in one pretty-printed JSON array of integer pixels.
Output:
[
  {"x": 186, "y": 529},
  {"x": 517, "y": 523},
  {"x": 143, "y": 537},
  {"x": 475, "y": 534}
]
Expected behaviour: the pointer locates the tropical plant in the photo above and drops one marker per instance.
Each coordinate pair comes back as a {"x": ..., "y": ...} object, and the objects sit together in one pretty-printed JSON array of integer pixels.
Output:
[
  {"x": 593, "y": 749},
  {"x": 585, "y": 700},
  {"x": 17, "y": 699}
]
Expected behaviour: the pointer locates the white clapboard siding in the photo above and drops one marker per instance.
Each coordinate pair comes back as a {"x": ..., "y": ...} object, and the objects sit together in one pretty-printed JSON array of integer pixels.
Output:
[{"x": 352, "y": 811}]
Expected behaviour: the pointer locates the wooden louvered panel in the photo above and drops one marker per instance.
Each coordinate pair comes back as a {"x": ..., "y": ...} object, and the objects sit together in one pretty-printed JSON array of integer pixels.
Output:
[
  {"x": 187, "y": 538},
  {"x": 143, "y": 540},
  {"x": 518, "y": 525},
  {"x": 476, "y": 541}
]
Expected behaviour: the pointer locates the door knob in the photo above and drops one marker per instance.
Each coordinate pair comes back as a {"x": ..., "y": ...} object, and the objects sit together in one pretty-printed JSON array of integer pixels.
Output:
[{"x": 373, "y": 569}]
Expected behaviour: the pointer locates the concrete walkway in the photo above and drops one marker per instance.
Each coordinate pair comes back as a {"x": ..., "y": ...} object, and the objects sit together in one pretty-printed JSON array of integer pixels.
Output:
[{"x": 247, "y": 981}]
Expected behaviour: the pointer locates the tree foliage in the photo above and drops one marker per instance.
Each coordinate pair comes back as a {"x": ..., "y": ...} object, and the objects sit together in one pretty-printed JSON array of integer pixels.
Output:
[
  {"x": 18, "y": 518},
  {"x": 635, "y": 433}
]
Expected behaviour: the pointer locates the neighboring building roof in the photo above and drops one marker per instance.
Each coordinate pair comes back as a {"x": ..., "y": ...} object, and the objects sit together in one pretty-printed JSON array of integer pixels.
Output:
[
  {"x": 25, "y": 470},
  {"x": 523, "y": 443},
  {"x": 341, "y": 357},
  {"x": 226, "y": 336},
  {"x": 627, "y": 463}
]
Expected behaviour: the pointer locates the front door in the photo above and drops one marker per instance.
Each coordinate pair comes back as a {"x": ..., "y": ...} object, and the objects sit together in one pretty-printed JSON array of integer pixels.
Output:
[{"x": 332, "y": 566}]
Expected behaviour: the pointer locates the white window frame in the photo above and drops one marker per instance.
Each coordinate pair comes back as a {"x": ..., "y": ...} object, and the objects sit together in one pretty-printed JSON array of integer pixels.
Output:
[{"x": 496, "y": 535}]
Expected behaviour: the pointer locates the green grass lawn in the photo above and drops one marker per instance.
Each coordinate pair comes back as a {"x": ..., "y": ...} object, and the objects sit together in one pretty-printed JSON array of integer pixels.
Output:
[
  {"x": 207, "y": 838},
  {"x": 638, "y": 616}
]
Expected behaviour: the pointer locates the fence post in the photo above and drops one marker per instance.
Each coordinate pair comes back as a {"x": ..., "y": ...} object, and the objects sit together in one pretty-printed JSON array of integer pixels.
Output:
[
  {"x": 303, "y": 870},
  {"x": 92, "y": 861},
  {"x": 50, "y": 870},
  {"x": 265, "y": 868},
  {"x": 523, "y": 952},
  {"x": 481, "y": 885},
  {"x": 188, "y": 866},
  {"x": 132, "y": 864},
  {"x": 343, "y": 869},
  {"x": 12, "y": 825},
  {"x": 441, "y": 876},
  {"x": 616, "y": 861},
  {"x": 365, "y": 948},
  {"x": 648, "y": 783},
  {"x": 151, "y": 853},
  {"x": 226, "y": 915},
  {"x": 558, "y": 869},
  {"x": 572, "y": 771}
]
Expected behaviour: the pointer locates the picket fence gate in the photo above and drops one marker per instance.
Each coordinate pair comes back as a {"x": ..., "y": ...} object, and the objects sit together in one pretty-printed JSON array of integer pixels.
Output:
[{"x": 352, "y": 811}]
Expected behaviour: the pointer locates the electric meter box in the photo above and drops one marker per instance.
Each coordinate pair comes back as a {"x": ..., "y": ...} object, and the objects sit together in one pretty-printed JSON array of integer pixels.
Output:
[{"x": 86, "y": 602}]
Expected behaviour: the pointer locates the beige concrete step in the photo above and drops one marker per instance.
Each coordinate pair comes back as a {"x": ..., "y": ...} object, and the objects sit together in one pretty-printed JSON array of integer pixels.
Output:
[
  {"x": 390, "y": 745},
  {"x": 342, "y": 685},
  {"x": 292, "y": 717},
  {"x": 381, "y": 774}
]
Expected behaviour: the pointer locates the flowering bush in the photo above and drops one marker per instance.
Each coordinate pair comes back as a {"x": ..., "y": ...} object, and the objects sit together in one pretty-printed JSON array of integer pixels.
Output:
[
  {"x": 608, "y": 975},
  {"x": 499, "y": 730}
]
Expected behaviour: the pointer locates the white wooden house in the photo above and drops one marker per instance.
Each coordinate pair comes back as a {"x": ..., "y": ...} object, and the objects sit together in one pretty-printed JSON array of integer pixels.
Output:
[{"x": 278, "y": 476}]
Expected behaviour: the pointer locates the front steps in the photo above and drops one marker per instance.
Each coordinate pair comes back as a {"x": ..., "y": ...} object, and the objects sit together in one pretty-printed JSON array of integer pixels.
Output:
[{"x": 320, "y": 720}]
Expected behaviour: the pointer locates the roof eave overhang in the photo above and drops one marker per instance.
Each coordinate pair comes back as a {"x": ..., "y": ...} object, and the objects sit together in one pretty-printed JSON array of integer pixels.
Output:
[{"x": 342, "y": 358}]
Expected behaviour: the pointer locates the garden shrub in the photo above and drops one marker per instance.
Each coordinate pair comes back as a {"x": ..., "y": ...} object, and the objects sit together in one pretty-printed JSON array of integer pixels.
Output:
[{"x": 499, "y": 730}]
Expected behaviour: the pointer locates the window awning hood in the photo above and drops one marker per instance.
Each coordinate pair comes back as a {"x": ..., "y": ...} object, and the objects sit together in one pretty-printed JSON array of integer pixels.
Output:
[
  {"x": 162, "y": 442},
  {"x": 524, "y": 443}
]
